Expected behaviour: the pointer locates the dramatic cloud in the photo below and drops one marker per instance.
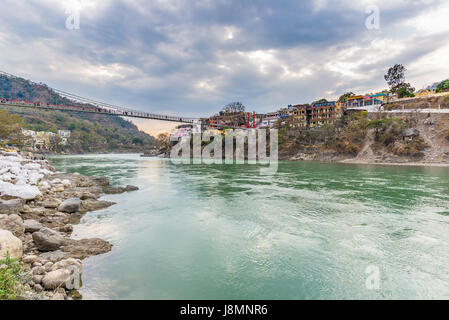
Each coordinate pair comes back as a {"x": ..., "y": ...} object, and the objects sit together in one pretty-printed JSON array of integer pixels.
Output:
[{"x": 192, "y": 57}]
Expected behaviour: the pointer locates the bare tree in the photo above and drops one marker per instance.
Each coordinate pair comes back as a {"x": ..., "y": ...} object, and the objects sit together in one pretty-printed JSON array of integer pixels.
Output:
[{"x": 234, "y": 107}]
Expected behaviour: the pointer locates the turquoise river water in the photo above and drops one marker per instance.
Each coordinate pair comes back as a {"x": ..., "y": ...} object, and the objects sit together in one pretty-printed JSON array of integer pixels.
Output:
[{"x": 312, "y": 231}]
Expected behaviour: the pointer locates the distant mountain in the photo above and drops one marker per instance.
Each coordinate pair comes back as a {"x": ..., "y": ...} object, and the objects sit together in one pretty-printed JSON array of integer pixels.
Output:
[
  {"x": 433, "y": 86},
  {"x": 91, "y": 133}
]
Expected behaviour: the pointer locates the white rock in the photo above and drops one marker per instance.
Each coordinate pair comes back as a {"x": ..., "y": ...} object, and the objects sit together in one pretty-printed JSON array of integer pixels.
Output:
[
  {"x": 44, "y": 185},
  {"x": 64, "y": 264},
  {"x": 32, "y": 166},
  {"x": 56, "y": 181},
  {"x": 26, "y": 192},
  {"x": 32, "y": 225},
  {"x": 66, "y": 183},
  {"x": 56, "y": 279},
  {"x": 10, "y": 243}
]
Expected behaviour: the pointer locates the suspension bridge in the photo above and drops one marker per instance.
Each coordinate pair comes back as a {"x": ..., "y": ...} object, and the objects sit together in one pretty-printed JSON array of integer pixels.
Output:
[{"x": 13, "y": 94}]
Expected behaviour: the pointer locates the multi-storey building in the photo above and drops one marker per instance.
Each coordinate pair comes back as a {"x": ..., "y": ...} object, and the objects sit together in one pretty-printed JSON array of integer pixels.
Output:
[
  {"x": 322, "y": 113},
  {"x": 299, "y": 116},
  {"x": 364, "y": 101}
]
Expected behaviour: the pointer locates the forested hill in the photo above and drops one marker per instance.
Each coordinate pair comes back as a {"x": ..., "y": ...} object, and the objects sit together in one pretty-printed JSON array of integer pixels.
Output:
[{"x": 91, "y": 133}]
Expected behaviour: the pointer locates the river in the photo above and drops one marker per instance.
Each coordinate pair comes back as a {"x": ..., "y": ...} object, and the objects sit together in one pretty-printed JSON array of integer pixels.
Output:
[{"x": 312, "y": 231}]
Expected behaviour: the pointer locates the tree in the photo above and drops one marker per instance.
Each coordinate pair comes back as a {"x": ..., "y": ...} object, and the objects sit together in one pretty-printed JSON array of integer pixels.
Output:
[
  {"x": 377, "y": 124},
  {"x": 321, "y": 101},
  {"x": 444, "y": 85},
  {"x": 234, "y": 107},
  {"x": 137, "y": 140},
  {"x": 395, "y": 78},
  {"x": 11, "y": 128},
  {"x": 345, "y": 96},
  {"x": 163, "y": 141},
  {"x": 404, "y": 90},
  {"x": 395, "y": 75}
]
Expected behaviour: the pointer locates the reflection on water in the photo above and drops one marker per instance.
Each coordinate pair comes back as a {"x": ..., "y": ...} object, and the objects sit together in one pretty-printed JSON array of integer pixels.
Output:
[{"x": 227, "y": 232}]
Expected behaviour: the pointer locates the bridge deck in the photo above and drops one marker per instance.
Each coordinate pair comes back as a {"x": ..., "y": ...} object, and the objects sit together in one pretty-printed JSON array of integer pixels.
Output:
[{"x": 109, "y": 112}]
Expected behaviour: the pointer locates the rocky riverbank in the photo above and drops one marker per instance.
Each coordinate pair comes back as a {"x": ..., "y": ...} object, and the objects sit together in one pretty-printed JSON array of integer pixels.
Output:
[{"x": 38, "y": 207}]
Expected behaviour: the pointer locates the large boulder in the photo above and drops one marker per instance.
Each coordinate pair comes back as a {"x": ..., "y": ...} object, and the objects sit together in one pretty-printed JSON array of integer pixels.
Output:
[
  {"x": 51, "y": 203},
  {"x": 13, "y": 223},
  {"x": 30, "y": 259},
  {"x": 101, "y": 181},
  {"x": 411, "y": 133},
  {"x": 53, "y": 256},
  {"x": 70, "y": 205},
  {"x": 19, "y": 190},
  {"x": 114, "y": 190},
  {"x": 117, "y": 190},
  {"x": 81, "y": 249},
  {"x": 10, "y": 244},
  {"x": 32, "y": 225},
  {"x": 86, "y": 195},
  {"x": 68, "y": 264},
  {"x": 93, "y": 205},
  {"x": 11, "y": 206},
  {"x": 48, "y": 240},
  {"x": 56, "y": 279}
]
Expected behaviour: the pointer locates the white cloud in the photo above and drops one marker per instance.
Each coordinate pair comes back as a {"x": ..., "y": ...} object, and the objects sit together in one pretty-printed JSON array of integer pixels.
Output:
[{"x": 191, "y": 58}]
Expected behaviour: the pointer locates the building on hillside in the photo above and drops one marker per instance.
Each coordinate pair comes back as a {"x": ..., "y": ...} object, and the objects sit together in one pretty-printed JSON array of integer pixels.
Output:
[
  {"x": 322, "y": 113},
  {"x": 41, "y": 140},
  {"x": 45, "y": 140},
  {"x": 383, "y": 96},
  {"x": 299, "y": 116},
  {"x": 237, "y": 119},
  {"x": 180, "y": 131},
  {"x": 340, "y": 107},
  {"x": 362, "y": 101},
  {"x": 65, "y": 135},
  {"x": 284, "y": 112},
  {"x": 269, "y": 119},
  {"x": 273, "y": 115}
]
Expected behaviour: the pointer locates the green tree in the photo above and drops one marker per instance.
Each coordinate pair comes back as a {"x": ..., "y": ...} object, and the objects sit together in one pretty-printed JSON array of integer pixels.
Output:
[
  {"x": 11, "y": 128},
  {"x": 137, "y": 140},
  {"x": 404, "y": 90},
  {"x": 345, "y": 97},
  {"x": 377, "y": 124},
  {"x": 395, "y": 78},
  {"x": 444, "y": 85}
]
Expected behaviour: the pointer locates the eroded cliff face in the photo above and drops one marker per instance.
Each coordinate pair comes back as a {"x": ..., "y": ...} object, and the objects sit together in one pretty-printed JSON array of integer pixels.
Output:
[{"x": 387, "y": 138}]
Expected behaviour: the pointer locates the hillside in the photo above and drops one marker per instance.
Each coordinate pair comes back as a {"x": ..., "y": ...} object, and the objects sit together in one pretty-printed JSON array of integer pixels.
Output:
[
  {"x": 374, "y": 138},
  {"x": 90, "y": 133}
]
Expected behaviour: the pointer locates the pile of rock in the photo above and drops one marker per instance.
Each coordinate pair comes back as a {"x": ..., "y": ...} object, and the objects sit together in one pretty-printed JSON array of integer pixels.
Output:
[{"x": 37, "y": 209}]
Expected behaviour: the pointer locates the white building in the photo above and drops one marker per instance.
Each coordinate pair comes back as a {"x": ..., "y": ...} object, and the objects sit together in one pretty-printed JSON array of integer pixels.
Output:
[{"x": 65, "y": 135}]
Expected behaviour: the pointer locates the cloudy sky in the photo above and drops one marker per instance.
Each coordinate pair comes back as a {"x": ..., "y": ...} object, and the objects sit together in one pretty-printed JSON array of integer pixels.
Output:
[{"x": 192, "y": 57}]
